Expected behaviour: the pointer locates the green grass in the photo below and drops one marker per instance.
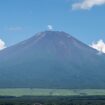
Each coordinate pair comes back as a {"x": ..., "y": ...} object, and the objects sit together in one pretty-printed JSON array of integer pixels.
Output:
[{"x": 50, "y": 92}]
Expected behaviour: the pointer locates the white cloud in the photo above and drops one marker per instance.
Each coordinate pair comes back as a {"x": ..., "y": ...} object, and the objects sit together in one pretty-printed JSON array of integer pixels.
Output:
[
  {"x": 50, "y": 27},
  {"x": 99, "y": 45},
  {"x": 87, "y": 4},
  {"x": 2, "y": 44}
]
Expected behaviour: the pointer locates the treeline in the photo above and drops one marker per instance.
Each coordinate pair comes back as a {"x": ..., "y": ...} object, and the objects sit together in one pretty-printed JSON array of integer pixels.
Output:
[{"x": 27, "y": 100}]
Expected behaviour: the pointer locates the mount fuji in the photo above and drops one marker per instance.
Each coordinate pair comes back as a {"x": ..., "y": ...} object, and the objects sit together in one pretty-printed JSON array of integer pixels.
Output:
[{"x": 52, "y": 59}]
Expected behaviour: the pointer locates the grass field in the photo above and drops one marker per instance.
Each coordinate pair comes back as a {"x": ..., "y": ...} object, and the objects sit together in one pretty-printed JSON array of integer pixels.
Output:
[{"x": 50, "y": 92}]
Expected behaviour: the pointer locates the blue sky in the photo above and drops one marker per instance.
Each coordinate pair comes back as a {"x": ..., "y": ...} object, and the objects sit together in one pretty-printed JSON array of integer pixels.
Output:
[{"x": 21, "y": 19}]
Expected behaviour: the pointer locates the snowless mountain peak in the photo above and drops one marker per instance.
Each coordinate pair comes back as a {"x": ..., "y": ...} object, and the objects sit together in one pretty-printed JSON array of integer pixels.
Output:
[{"x": 51, "y": 59}]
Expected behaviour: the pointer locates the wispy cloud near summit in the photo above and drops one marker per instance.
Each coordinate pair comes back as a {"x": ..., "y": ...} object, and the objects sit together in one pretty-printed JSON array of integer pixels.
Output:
[
  {"x": 87, "y": 4},
  {"x": 50, "y": 27}
]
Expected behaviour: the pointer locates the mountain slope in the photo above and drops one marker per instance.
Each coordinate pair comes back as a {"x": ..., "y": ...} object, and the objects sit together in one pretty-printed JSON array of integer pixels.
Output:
[{"x": 52, "y": 59}]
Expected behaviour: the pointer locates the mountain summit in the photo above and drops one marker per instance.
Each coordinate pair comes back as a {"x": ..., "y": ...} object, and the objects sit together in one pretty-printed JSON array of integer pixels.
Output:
[{"x": 51, "y": 59}]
